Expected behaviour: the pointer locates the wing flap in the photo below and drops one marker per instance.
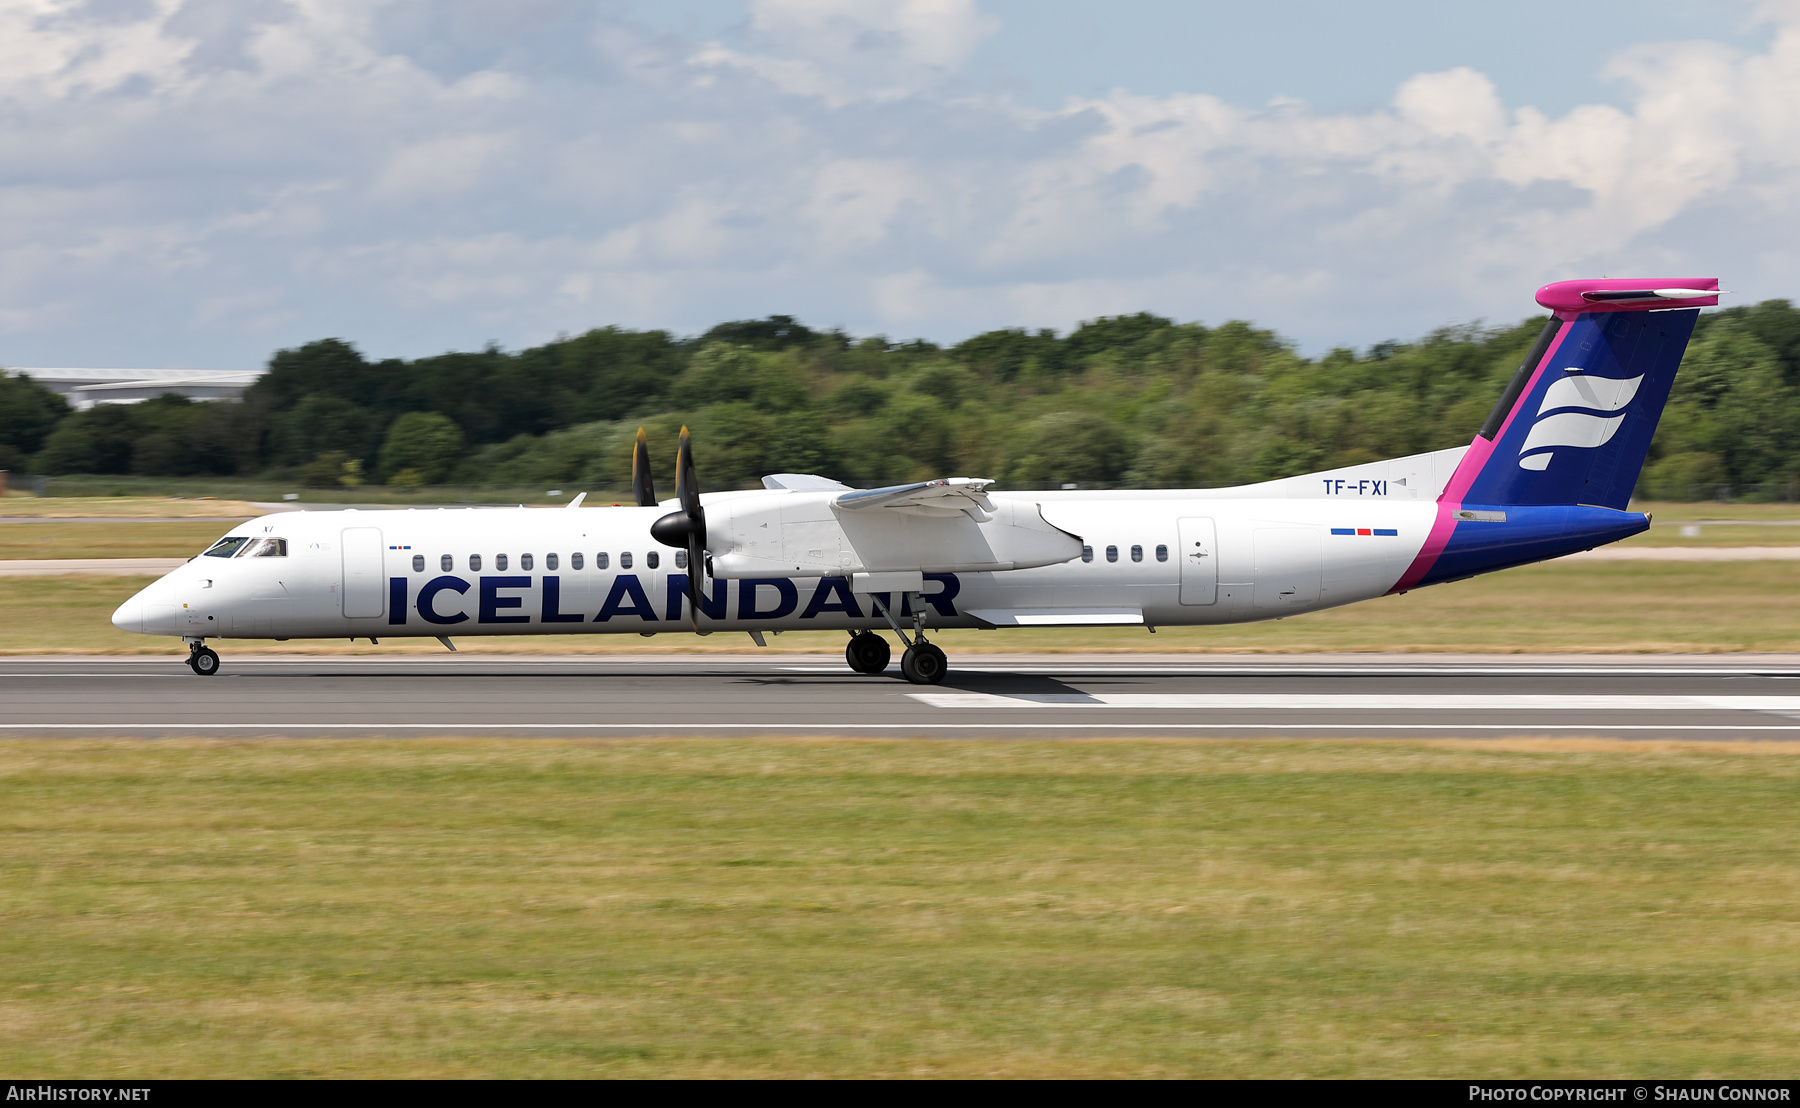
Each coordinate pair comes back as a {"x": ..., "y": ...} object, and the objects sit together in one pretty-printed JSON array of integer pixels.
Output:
[
  {"x": 802, "y": 482},
  {"x": 945, "y": 496}
]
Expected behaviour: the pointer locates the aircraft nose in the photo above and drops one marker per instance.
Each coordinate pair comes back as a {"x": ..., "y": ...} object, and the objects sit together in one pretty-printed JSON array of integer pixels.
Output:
[{"x": 130, "y": 616}]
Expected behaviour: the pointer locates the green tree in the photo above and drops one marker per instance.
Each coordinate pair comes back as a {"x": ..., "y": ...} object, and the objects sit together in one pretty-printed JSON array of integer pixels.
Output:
[
  {"x": 99, "y": 440},
  {"x": 1080, "y": 448},
  {"x": 321, "y": 423},
  {"x": 28, "y": 413},
  {"x": 428, "y": 442}
]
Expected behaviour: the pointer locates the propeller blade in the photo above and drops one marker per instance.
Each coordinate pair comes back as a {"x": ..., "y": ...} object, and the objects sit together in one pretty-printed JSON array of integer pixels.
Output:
[
  {"x": 695, "y": 567},
  {"x": 687, "y": 486},
  {"x": 641, "y": 485},
  {"x": 686, "y": 528}
]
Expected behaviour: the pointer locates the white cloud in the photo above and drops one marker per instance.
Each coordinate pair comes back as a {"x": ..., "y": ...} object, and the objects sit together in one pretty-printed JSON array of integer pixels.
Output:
[
  {"x": 845, "y": 49},
  {"x": 195, "y": 183}
]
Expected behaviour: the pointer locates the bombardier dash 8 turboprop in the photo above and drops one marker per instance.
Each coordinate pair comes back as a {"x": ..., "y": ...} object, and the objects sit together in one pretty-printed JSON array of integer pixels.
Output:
[{"x": 1549, "y": 473}]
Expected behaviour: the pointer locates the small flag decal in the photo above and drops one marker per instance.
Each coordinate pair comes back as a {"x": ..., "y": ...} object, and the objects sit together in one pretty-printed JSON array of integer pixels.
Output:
[{"x": 1385, "y": 532}]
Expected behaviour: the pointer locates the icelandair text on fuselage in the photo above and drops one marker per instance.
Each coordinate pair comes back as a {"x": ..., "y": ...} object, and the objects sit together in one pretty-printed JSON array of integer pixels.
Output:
[
  {"x": 1553, "y": 1093},
  {"x": 43, "y": 1093}
]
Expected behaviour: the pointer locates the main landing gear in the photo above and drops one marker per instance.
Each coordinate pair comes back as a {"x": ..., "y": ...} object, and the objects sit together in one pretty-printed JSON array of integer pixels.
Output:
[
  {"x": 202, "y": 659},
  {"x": 867, "y": 652},
  {"x": 921, "y": 663}
]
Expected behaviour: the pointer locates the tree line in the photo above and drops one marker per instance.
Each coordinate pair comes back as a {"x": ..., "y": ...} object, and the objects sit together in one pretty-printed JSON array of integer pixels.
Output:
[{"x": 1132, "y": 401}]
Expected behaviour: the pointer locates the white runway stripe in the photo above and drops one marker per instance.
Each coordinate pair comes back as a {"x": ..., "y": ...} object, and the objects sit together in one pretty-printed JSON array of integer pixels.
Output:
[
  {"x": 1362, "y": 702},
  {"x": 1339, "y": 669},
  {"x": 780, "y": 728}
]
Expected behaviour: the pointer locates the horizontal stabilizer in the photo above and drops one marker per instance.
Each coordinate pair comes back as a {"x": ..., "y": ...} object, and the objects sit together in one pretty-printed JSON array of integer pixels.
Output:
[{"x": 1602, "y": 295}]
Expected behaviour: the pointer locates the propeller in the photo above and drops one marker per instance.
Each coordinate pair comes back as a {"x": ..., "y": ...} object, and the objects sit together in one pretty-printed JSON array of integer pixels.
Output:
[
  {"x": 641, "y": 484},
  {"x": 686, "y": 529}
]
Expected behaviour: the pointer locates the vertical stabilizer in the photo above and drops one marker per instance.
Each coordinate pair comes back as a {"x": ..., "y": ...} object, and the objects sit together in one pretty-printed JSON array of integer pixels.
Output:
[
  {"x": 1552, "y": 469},
  {"x": 1575, "y": 424}
]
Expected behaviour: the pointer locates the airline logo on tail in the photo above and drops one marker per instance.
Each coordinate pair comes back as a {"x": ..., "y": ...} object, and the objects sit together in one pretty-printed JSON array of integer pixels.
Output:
[{"x": 1577, "y": 404}]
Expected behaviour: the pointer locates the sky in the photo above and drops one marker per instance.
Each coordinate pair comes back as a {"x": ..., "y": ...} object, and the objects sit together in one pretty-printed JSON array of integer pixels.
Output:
[{"x": 197, "y": 183}]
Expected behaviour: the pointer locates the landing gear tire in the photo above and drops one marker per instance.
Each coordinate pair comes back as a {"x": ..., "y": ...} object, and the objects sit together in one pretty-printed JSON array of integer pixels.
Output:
[
  {"x": 868, "y": 653},
  {"x": 923, "y": 664},
  {"x": 204, "y": 661}
]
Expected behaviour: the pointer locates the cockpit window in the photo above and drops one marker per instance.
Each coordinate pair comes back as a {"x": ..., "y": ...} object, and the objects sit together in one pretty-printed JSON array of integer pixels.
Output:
[
  {"x": 227, "y": 546},
  {"x": 265, "y": 548}
]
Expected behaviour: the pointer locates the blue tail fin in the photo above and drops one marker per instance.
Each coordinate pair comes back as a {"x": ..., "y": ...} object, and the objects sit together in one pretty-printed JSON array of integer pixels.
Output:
[
  {"x": 1576, "y": 423},
  {"x": 1552, "y": 469}
]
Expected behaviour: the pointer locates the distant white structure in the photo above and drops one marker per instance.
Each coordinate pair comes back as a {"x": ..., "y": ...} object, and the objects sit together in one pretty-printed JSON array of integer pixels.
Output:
[{"x": 84, "y": 388}]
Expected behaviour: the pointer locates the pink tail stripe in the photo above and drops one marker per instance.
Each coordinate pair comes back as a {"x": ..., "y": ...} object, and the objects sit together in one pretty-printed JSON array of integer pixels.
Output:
[{"x": 1450, "y": 502}]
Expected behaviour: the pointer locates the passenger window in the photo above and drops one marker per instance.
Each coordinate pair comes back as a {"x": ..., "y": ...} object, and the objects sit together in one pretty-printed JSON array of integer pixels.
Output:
[
  {"x": 625, "y": 559},
  {"x": 446, "y": 563},
  {"x": 681, "y": 559},
  {"x": 500, "y": 563},
  {"x": 524, "y": 561},
  {"x": 575, "y": 560},
  {"x": 1137, "y": 553},
  {"x": 653, "y": 559},
  {"x": 226, "y": 547},
  {"x": 1112, "y": 553},
  {"x": 1087, "y": 553},
  {"x": 1162, "y": 552},
  {"x": 601, "y": 561},
  {"x": 475, "y": 563},
  {"x": 549, "y": 561},
  {"x": 418, "y": 563}
]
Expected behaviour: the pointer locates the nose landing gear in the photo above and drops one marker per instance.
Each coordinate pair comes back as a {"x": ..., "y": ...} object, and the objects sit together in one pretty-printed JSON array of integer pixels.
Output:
[{"x": 202, "y": 659}]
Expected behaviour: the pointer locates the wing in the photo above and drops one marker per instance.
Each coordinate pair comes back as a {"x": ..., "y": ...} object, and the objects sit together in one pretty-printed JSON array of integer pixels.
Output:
[
  {"x": 946, "y": 496},
  {"x": 802, "y": 482}
]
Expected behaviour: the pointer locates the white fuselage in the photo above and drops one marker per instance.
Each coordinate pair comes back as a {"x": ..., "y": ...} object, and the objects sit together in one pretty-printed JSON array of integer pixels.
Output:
[{"x": 1157, "y": 558}]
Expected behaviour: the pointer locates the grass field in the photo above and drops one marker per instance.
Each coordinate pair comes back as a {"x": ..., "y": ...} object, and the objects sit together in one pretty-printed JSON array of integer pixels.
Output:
[
  {"x": 1609, "y": 607},
  {"x": 55, "y": 507},
  {"x": 792, "y": 908},
  {"x": 57, "y": 539},
  {"x": 1675, "y": 511}
]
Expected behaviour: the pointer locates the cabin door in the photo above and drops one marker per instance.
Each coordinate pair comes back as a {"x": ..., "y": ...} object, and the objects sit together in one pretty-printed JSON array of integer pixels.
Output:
[
  {"x": 1199, "y": 561},
  {"x": 362, "y": 572}
]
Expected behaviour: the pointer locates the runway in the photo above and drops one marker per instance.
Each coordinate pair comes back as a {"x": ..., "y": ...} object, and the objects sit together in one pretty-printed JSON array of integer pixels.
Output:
[{"x": 1012, "y": 696}]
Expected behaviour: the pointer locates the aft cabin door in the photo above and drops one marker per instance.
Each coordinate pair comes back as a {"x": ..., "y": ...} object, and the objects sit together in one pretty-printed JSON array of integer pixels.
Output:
[
  {"x": 1199, "y": 561},
  {"x": 362, "y": 571}
]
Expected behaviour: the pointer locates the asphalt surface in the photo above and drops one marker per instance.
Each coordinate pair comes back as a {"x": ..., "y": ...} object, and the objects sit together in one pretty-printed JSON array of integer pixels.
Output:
[{"x": 1016, "y": 696}]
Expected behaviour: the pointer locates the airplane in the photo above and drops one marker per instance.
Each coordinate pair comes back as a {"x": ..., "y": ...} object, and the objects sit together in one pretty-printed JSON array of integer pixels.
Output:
[{"x": 1550, "y": 472}]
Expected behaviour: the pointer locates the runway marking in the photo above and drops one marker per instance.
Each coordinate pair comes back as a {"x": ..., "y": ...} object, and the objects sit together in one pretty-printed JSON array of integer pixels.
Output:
[
  {"x": 841, "y": 727},
  {"x": 1350, "y": 670},
  {"x": 1361, "y": 702},
  {"x": 1073, "y": 672},
  {"x": 91, "y": 676}
]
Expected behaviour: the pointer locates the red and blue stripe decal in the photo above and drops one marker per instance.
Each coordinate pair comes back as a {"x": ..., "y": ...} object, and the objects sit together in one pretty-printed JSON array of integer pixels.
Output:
[{"x": 1388, "y": 532}]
